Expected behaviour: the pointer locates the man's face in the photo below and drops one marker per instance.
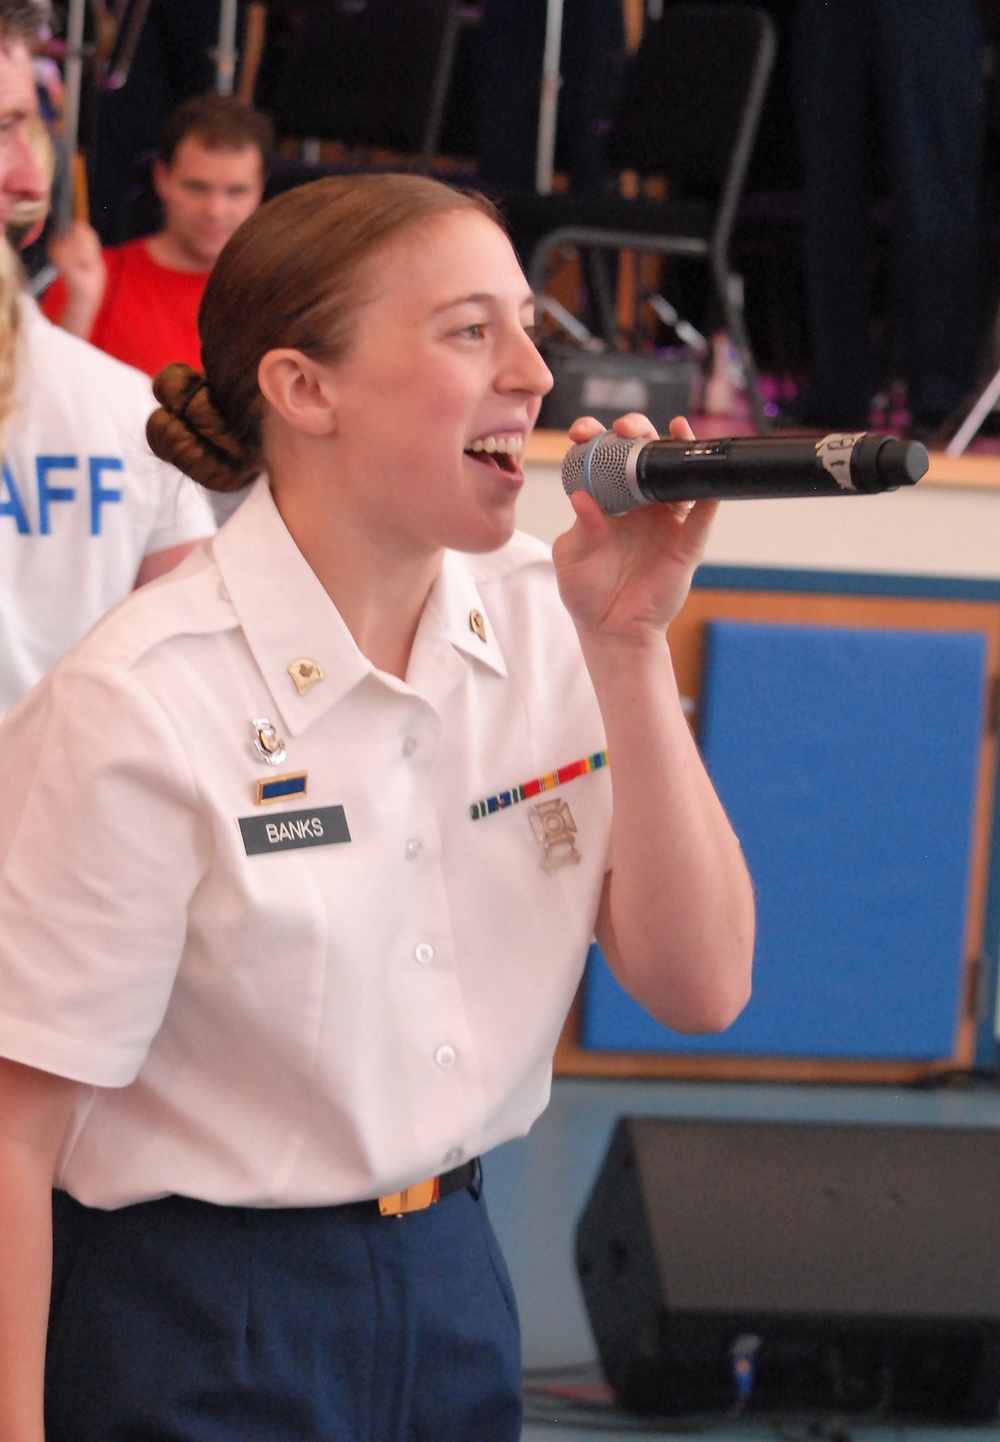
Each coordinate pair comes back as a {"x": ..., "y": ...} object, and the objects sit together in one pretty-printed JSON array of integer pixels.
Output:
[
  {"x": 21, "y": 173},
  {"x": 206, "y": 194}
]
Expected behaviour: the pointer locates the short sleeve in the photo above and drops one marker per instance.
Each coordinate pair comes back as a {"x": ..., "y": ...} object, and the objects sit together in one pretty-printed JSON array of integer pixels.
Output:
[
  {"x": 99, "y": 856},
  {"x": 175, "y": 509},
  {"x": 179, "y": 509}
]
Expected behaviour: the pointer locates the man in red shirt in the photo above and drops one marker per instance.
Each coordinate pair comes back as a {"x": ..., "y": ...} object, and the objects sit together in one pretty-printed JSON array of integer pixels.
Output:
[{"x": 139, "y": 301}]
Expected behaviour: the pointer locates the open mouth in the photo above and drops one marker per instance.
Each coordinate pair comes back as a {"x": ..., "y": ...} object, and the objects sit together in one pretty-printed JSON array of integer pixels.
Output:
[{"x": 503, "y": 452}]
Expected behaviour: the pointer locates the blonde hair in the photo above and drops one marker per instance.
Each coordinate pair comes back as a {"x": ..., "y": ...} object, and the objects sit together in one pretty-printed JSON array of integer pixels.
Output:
[{"x": 291, "y": 276}]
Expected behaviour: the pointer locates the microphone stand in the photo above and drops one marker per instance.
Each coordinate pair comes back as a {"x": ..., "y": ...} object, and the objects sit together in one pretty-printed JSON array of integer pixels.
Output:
[
  {"x": 225, "y": 53},
  {"x": 73, "y": 74},
  {"x": 549, "y": 106},
  {"x": 985, "y": 402}
]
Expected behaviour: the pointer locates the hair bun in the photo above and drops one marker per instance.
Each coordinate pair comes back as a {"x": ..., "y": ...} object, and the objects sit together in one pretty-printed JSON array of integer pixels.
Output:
[{"x": 188, "y": 431}]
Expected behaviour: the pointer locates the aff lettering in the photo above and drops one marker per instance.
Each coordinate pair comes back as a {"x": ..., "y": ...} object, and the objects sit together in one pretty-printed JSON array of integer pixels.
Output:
[
  {"x": 13, "y": 505},
  {"x": 50, "y": 495},
  {"x": 102, "y": 495}
]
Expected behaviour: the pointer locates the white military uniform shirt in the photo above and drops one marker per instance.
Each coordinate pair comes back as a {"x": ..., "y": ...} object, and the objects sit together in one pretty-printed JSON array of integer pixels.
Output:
[
  {"x": 323, "y": 1019},
  {"x": 82, "y": 498}
]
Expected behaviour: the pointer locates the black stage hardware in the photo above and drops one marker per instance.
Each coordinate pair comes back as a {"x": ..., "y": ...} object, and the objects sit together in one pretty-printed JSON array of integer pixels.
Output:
[
  {"x": 606, "y": 384},
  {"x": 130, "y": 18},
  {"x": 773, "y": 1265}
]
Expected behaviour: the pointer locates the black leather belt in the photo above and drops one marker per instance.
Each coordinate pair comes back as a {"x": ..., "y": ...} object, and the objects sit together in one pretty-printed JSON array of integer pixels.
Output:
[{"x": 424, "y": 1194}]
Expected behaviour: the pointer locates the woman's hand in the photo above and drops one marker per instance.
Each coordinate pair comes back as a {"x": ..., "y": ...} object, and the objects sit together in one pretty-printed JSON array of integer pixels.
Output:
[{"x": 627, "y": 576}]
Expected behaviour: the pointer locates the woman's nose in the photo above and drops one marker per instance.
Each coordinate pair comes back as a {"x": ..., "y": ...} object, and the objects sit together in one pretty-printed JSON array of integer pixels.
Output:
[{"x": 525, "y": 369}]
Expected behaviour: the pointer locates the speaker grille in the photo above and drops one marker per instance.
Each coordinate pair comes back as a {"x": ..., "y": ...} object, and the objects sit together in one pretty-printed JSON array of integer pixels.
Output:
[{"x": 606, "y": 477}]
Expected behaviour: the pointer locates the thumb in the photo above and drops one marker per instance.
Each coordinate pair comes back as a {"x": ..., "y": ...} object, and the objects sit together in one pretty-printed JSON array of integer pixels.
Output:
[
  {"x": 592, "y": 520},
  {"x": 588, "y": 531},
  {"x": 592, "y": 524}
]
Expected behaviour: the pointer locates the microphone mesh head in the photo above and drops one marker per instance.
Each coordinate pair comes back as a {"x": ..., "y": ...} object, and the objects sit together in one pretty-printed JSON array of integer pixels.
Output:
[
  {"x": 600, "y": 468},
  {"x": 572, "y": 469}
]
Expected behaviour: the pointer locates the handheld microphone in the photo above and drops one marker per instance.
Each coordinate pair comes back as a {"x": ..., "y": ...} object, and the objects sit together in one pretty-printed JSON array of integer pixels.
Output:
[{"x": 622, "y": 474}]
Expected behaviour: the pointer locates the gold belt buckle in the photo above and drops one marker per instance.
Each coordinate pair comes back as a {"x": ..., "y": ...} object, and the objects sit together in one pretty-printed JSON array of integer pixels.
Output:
[{"x": 411, "y": 1199}]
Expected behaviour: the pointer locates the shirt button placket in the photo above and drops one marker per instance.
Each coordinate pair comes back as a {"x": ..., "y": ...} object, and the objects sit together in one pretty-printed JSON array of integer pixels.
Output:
[{"x": 414, "y": 845}]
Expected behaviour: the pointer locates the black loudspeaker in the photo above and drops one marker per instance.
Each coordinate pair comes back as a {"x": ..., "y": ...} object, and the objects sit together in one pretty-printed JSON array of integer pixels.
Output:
[{"x": 852, "y": 1268}]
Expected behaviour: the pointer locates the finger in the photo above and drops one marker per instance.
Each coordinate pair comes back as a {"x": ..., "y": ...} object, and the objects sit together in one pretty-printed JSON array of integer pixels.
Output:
[
  {"x": 680, "y": 430},
  {"x": 682, "y": 509},
  {"x": 635, "y": 425},
  {"x": 698, "y": 523},
  {"x": 585, "y": 428}
]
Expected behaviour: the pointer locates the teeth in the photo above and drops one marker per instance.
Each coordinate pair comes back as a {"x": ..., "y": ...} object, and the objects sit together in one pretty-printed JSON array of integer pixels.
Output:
[{"x": 499, "y": 445}]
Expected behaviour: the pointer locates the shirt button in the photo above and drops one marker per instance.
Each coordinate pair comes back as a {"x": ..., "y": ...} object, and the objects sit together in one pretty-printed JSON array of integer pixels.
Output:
[
  {"x": 445, "y": 1056},
  {"x": 410, "y": 745},
  {"x": 424, "y": 953},
  {"x": 413, "y": 849},
  {"x": 451, "y": 1156}
]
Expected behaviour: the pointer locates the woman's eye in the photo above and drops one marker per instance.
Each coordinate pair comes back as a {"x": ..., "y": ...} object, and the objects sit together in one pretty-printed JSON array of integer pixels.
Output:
[{"x": 476, "y": 330}]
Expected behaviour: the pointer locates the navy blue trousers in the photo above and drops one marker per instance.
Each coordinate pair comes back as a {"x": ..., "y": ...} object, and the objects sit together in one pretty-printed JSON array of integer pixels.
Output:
[
  {"x": 178, "y": 1321},
  {"x": 920, "y": 65}
]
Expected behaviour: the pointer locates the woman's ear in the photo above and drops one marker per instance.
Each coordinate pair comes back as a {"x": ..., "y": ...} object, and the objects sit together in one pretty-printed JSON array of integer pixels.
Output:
[{"x": 300, "y": 390}]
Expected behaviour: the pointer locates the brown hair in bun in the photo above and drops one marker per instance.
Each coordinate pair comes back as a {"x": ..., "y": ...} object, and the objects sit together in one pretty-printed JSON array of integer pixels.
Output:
[{"x": 188, "y": 431}]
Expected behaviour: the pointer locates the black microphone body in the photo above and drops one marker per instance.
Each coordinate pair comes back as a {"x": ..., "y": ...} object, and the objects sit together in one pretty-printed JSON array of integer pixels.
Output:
[{"x": 622, "y": 474}]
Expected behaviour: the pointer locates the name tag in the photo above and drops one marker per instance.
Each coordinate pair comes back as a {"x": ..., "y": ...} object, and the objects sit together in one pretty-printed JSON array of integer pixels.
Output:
[{"x": 324, "y": 826}]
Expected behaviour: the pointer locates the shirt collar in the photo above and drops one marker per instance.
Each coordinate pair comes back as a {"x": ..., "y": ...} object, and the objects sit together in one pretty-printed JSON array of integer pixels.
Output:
[
  {"x": 456, "y": 611},
  {"x": 288, "y": 618}
]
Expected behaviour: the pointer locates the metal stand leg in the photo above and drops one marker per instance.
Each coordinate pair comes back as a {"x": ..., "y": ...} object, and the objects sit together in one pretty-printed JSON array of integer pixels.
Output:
[
  {"x": 439, "y": 89},
  {"x": 975, "y": 418},
  {"x": 225, "y": 55},
  {"x": 730, "y": 292},
  {"x": 549, "y": 106},
  {"x": 73, "y": 74}
]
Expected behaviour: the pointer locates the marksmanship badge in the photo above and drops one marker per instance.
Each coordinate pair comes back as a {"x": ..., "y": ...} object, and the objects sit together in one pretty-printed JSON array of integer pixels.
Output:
[{"x": 554, "y": 827}]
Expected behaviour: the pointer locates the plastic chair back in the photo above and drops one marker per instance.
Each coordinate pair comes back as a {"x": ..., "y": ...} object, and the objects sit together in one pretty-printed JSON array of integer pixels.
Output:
[
  {"x": 367, "y": 74},
  {"x": 692, "y": 95}
]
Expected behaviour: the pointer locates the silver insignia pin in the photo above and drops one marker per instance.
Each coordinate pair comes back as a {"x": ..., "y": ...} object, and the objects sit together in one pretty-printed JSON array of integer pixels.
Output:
[{"x": 266, "y": 742}]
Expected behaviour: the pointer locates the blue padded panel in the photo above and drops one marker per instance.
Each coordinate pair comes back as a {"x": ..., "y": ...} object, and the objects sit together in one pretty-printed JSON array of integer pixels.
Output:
[{"x": 846, "y": 759}]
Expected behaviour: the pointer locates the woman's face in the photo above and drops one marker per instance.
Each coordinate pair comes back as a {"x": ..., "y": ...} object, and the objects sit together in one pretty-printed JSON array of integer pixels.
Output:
[{"x": 440, "y": 388}]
